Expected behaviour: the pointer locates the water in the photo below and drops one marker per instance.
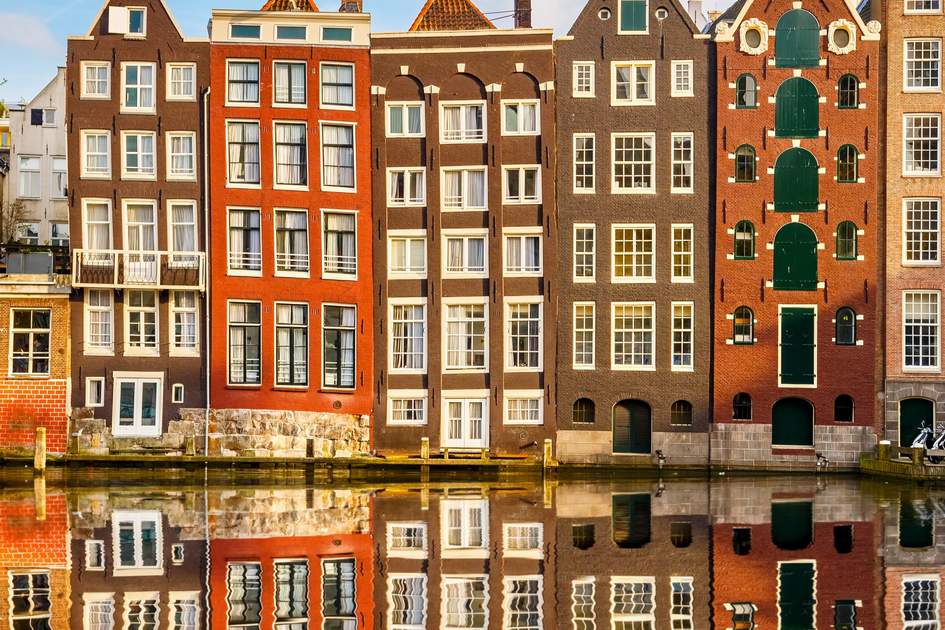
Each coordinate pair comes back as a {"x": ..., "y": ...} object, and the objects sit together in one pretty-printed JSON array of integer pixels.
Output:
[{"x": 740, "y": 553}]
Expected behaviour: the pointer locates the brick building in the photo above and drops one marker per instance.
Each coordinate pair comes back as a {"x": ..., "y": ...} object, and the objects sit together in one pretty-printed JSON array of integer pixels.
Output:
[
  {"x": 798, "y": 300},
  {"x": 635, "y": 175},
  {"x": 290, "y": 226},
  {"x": 464, "y": 188}
]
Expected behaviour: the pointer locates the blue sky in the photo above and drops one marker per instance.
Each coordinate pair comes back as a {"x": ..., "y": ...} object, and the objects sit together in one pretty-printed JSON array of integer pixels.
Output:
[{"x": 33, "y": 32}]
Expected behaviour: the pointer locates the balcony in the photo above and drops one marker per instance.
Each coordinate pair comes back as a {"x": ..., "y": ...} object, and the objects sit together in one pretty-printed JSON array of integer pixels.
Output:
[{"x": 127, "y": 269}]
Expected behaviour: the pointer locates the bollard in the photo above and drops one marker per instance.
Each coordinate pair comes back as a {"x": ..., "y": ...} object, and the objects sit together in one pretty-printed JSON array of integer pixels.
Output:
[
  {"x": 548, "y": 455},
  {"x": 918, "y": 456},
  {"x": 39, "y": 498},
  {"x": 39, "y": 452},
  {"x": 882, "y": 451},
  {"x": 424, "y": 448}
]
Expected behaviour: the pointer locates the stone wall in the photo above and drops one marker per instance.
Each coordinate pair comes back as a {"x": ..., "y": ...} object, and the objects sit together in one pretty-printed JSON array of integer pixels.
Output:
[
  {"x": 896, "y": 391},
  {"x": 595, "y": 447},
  {"x": 93, "y": 436},
  {"x": 749, "y": 446}
]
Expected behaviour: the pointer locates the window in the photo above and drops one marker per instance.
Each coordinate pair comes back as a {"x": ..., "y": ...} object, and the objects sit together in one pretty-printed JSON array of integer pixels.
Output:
[
  {"x": 291, "y": 159},
  {"x": 799, "y": 46},
  {"x": 294, "y": 33},
  {"x": 407, "y": 539},
  {"x": 582, "y": 536},
  {"x": 847, "y": 167},
  {"x": 338, "y": 157},
  {"x": 680, "y": 414},
  {"x": 744, "y": 240},
  {"x": 584, "y": 163},
  {"x": 462, "y": 122},
  {"x": 98, "y": 611},
  {"x": 95, "y": 391},
  {"x": 583, "y": 615},
  {"x": 846, "y": 241},
  {"x": 242, "y": 82},
  {"x": 465, "y": 254},
  {"x": 291, "y": 344},
  {"x": 743, "y": 326},
  {"x": 522, "y": 185},
  {"x": 633, "y": 163},
  {"x": 60, "y": 179},
  {"x": 923, "y": 65},
  {"x": 465, "y": 525},
  {"x": 583, "y": 327},
  {"x": 244, "y": 595},
  {"x": 683, "y": 313},
  {"x": 633, "y": 601},
  {"x": 96, "y": 79},
  {"x": 289, "y": 83},
  {"x": 185, "y": 610},
  {"x": 843, "y": 409},
  {"x": 465, "y": 603},
  {"x": 181, "y": 163},
  {"x": 141, "y": 327},
  {"x": 49, "y": 117},
  {"x": 184, "y": 318},
  {"x": 245, "y": 328},
  {"x": 466, "y": 336},
  {"x": 30, "y": 600},
  {"x": 291, "y": 242},
  {"x": 921, "y": 138},
  {"x": 743, "y": 615},
  {"x": 520, "y": 118},
  {"x": 845, "y": 327},
  {"x": 245, "y": 253},
  {"x": 137, "y": 17},
  {"x": 848, "y": 92},
  {"x": 137, "y": 406},
  {"x": 27, "y": 233},
  {"x": 339, "y": 593},
  {"x": 30, "y": 176},
  {"x": 634, "y": 16},
  {"x": 337, "y": 85},
  {"x": 242, "y": 142},
  {"x": 181, "y": 82},
  {"x": 682, "y": 253},
  {"x": 582, "y": 77},
  {"x": 98, "y": 228},
  {"x": 923, "y": 6},
  {"x": 338, "y": 360},
  {"x": 464, "y": 188},
  {"x": 407, "y": 254},
  {"x": 30, "y": 343},
  {"x": 406, "y": 187},
  {"x": 340, "y": 245},
  {"x": 523, "y": 407},
  {"x": 523, "y": 336},
  {"x": 921, "y": 330},
  {"x": 407, "y": 597},
  {"x": 745, "y": 163},
  {"x": 522, "y": 253},
  {"x": 682, "y": 78},
  {"x": 741, "y": 407},
  {"x": 177, "y": 397},
  {"x": 922, "y": 225},
  {"x": 95, "y": 555},
  {"x": 634, "y": 253},
  {"x": 407, "y": 408},
  {"x": 746, "y": 92},
  {"x": 96, "y": 154},
  {"x": 682, "y": 163},
  {"x": 680, "y": 612},
  {"x": 408, "y": 336},
  {"x": 405, "y": 120},
  {"x": 244, "y": 31},
  {"x": 583, "y": 411},
  {"x": 522, "y": 605},
  {"x": 921, "y": 597},
  {"x": 137, "y": 155},
  {"x": 584, "y": 252},
  {"x": 137, "y": 83},
  {"x": 632, "y": 83},
  {"x": 59, "y": 234},
  {"x": 634, "y": 343}
]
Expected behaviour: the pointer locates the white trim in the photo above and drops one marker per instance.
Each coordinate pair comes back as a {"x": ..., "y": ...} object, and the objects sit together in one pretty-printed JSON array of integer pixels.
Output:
[
  {"x": 123, "y": 107},
  {"x": 95, "y": 63},
  {"x": 226, "y": 148},
  {"x": 692, "y": 162},
  {"x": 678, "y": 63},
  {"x": 321, "y": 153},
  {"x": 243, "y": 272},
  {"x": 617, "y": 190},
  {"x": 275, "y": 162},
  {"x": 614, "y": 278},
  {"x": 125, "y": 174},
  {"x": 404, "y": 107},
  {"x": 593, "y": 276},
  {"x": 905, "y": 231},
  {"x": 692, "y": 336},
  {"x": 620, "y": 31},
  {"x": 528, "y": 300},
  {"x": 226, "y": 85},
  {"x": 331, "y": 275},
  {"x": 905, "y": 66},
  {"x": 522, "y": 232},
  {"x": 574, "y": 79},
  {"x": 523, "y": 394},
  {"x": 168, "y": 91},
  {"x": 83, "y": 157},
  {"x": 408, "y": 237},
  {"x": 408, "y": 394},
  {"x": 613, "y": 338},
  {"x": 138, "y": 378},
  {"x": 354, "y": 86},
  {"x": 407, "y": 301},
  {"x": 518, "y": 132},
  {"x": 276, "y": 104},
  {"x": 465, "y": 184},
  {"x": 408, "y": 201},
  {"x": 521, "y": 170},
  {"x": 463, "y": 132},
  {"x": 931, "y": 369},
  {"x": 593, "y": 331},
  {"x": 634, "y": 100},
  {"x": 574, "y": 164},
  {"x": 471, "y": 300},
  {"x": 168, "y": 144},
  {"x": 448, "y": 233},
  {"x": 400, "y": 552},
  {"x": 229, "y": 324},
  {"x": 89, "y": 380}
]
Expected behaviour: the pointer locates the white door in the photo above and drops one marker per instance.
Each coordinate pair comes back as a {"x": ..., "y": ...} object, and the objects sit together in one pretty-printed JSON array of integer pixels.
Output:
[{"x": 466, "y": 423}]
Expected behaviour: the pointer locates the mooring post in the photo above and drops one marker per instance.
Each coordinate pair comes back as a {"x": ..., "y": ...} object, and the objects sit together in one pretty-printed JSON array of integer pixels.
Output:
[
  {"x": 548, "y": 454},
  {"x": 39, "y": 497},
  {"x": 882, "y": 451},
  {"x": 424, "y": 448},
  {"x": 39, "y": 452}
]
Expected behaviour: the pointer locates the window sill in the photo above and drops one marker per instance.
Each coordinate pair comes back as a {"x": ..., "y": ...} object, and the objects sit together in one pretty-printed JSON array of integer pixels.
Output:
[
  {"x": 181, "y": 99},
  {"x": 276, "y": 105},
  {"x": 337, "y": 108},
  {"x": 293, "y": 187},
  {"x": 290, "y": 388},
  {"x": 244, "y": 274},
  {"x": 132, "y": 177},
  {"x": 292, "y": 274},
  {"x": 187, "y": 354},
  {"x": 395, "y": 275},
  {"x": 240, "y": 104},
  {"x": 97, "y": 176},
  {"x": 337, "y": 390},
  {"x": 633, "y": 368},
  {"x": 244, "y": 186},
  {"x": 245, "y": 386},
  {"x": 95, "y": 97},
  {"x": 342, "y": 277},
  {"x": 138, "y": 112},
  {"x": 182, "y": 178},
  {"x": 99, "y": 353},
  {"x": 152, "y": 354},
  {"x": 339, "y": 189},
  {"x": 405, "y": 136},
  {"x": 29, "y": 377}
]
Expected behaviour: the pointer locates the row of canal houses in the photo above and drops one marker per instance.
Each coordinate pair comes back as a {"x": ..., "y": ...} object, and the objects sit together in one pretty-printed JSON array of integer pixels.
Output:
[
  {"x": 788, "y": 553},
  {"x": 650, "y": 237}
]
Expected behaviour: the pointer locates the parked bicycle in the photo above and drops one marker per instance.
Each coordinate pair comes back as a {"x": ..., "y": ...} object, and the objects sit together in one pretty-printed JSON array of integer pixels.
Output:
[{"x": 930, "y": 442}]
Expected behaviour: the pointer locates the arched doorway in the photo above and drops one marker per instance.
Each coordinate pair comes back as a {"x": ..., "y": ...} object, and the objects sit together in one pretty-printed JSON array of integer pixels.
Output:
[
  {"x": 797, "y": 109},
  {"x": 630, "y": 520},
  {"x": 797, "y": 44},
  {"x": 792, "y": 525},
  {"x": 631, "y": 430},
  {"x": 913, "y": 412},
  {"x": 796, "y": 183},
  {"x": 792, "y": 423},
  {"x": 795, "y": 258}
]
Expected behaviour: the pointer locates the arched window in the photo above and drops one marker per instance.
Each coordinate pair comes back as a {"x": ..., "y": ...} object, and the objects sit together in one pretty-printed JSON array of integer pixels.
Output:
[
  {"x": 797, "y": 109},
  {"x": 796, "y": 183},
  {"x": 843, "y": 408},
  {"x": 582, "y": 535},
  {"x": 741, "y": 407},
  {"x": 848, "y": 92},
  {"x": 745, "y": 163},
  {"x": 744, "y": 240},
  {"x": 846, "y": 241},
  {"x": 743, "y": 326},
  {"x": 680, "y": 534},
  {"x": 846, "y": 327},
  {"x": 583, "y": 412},
  {"x": 680, "y": 414},
  {"x": 746, "y": 92},
  {"x": 797, "y": 44},
  {"x": 847, "y": 167},
  {"x": 795, "y": 258}
]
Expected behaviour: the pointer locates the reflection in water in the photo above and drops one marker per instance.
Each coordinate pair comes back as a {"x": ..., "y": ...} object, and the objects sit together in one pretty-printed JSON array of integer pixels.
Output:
[{"x": 796, "y": 554}]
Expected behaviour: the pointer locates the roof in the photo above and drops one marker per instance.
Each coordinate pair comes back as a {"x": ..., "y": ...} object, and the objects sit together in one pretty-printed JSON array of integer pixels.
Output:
[
  {"x": 728, "y": 15},
  {"x": 451, "y": 15},
  {"x": 290, "y": 5}
]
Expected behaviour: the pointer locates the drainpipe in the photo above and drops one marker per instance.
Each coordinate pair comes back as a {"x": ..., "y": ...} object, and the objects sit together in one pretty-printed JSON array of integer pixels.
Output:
[{"x": 206, "y": 247}]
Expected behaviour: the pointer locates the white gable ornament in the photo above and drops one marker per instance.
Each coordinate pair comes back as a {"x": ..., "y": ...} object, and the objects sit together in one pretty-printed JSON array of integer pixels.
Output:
[
  {"x": 753, "y": 36},
  {"x": 841, "y": 37}
]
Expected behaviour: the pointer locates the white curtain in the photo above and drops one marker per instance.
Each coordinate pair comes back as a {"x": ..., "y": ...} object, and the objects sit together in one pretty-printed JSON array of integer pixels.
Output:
[
  {"x": 141, "y": 228},
  {"x": 182, "y": 154},
  {"x": 98, "y": 226},
  {"x": 243, "y": 82},
  {"x": 340, "y": 251},
  {"x": 643, "y": 82},
  {"x": 417, "y": 187},
  {"x": 474, "y": 121},
  {"x": 452, "y": 122},
  {"x": 347, "y": 347},
  {"x": 513, "y": 253},
  {"x": 407, "y": 335},
  {"x": 454, "y": 254},
  {"x": 244, "y": 151},
  {"x": 532, "y": 253},
  {"x": 395, "y": 124},
  {"x": 417, "y": 253},
  {"x": 244, "y": 239},
  {"x": 453, "y": 189},
  {"x": 290, "y": 82},
  {"x": 413, "y": 118},
  {"x": 338, "y": 155},
  {"x": 397, "y": 193},
  {"x": 476, "y": 193},
  {"x": 96, "y": 153},
  {"x": 337, "y": 85},
  {"x": 529, "y": 117},
  {"x": 290, "y": 154}
]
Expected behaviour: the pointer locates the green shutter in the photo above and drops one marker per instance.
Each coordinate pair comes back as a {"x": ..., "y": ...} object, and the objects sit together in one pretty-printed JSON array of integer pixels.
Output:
[
  {"x": 796, "y": 183},
  {"x": 631, "y": 520},
  {"x": 633, "y": 15},
  {"x": 795, "y": 258},
  {"x": 797, "y": 366},
  {"x": 797, "y": 109},
  {"x": 792, "y": 522},
  {"x": 796, "y": 596},
  {"x": 797, "y": 40},
  {"x": 792, "y": 419},
  {"x": 913, "y": 412},
  {"x": 631, "y": 427}
]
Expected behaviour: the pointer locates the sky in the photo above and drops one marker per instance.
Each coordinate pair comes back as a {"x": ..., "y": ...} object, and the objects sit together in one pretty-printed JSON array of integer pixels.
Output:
[{"x": 33, "y": 32}]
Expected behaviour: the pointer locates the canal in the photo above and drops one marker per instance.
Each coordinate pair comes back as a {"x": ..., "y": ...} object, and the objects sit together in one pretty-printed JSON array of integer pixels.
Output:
[{"x": 786, "y": 552}]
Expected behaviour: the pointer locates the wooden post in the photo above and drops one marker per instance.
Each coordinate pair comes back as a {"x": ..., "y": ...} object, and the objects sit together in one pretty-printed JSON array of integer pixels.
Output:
[
  {"x": 424, "y": 448},
  {"x": 548, "y": 454},
  {"x": 918, "y": 456},
  {"x": 190, "y": 448},
  {"x": 39, "y": 497},
  {"x": 39, "y": 452},
  {"x": 882, "y": 453}
]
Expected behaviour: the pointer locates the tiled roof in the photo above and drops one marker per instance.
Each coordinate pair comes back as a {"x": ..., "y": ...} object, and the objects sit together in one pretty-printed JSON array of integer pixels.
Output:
[
  {"x": 451, "y": 15},
  {"x": 290, "y": 5}
]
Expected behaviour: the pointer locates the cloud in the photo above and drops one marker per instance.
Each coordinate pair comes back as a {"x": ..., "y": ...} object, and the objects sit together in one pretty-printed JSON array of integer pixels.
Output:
[{"x": 28, "y": 32}]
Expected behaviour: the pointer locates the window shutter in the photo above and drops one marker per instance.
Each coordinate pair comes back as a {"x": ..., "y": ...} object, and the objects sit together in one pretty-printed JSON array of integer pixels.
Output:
[
  {"x": 633, "y": 15},
  {"x": 118, "y": 20},
  {"x": 795, "y": 258},
  {"x": 796, "y": 183},
  {"x": 797, "y": 109},
  {"x": 797, "y": 41},
  {"x": 36, "y": 117}
]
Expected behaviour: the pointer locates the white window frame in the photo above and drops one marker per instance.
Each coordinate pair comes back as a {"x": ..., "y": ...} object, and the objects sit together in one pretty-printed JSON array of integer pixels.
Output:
[
  {"x": 125, "y": 108},
  {"x": 688, "y": 135},
  {"x": 423, "y": 596},
  {"x": 89, "y": 392},
  {"x": 523, "y": 395},
  {"x": 692, "y": 337},
  {"x": 403, "y": 106},
  {"x": 682, "y": 620},
  {"x": 87, "y": 348},
  {"x": 173, "y": 310},
  {"x": 125, "y": 173},
  {"x": 587, "y": 602},
  {"x": 577, "y": 190},
  {"x": 90, "y": 547},
  {"x": 906, "y": 262},
  {"x": 136, "y": 351},
  {"x": 277, "y": 325},
  {"x": 466, "y": 137},
  {"x": 408, "y": 394},
  {"x": 466, "y": 506},
  {"x": 593, "y": 254},
  {"x": 137, "y": 518},
  {"x": 84, "y": 94},
  {"x": 905, "y": 65},
  {"x": 519, "y": 171},
  {"x": 675, "y": 66},
  {"x": 575, "y": 82},
  {"x": 230, "y": 271},
  {"x": 306, "y": 172},
  {"x": 139, "y": 378},
  {"x": 169, "y": 72},
  {"x": 458, "y": 301},
  {"x": 321, "y": 156},
  {"x": 191, "y": 598},
  {"x": 634, "y": 100},
  {"x": 411, "y": 199},
  {"x": 614, "y": 278},
  {"x": 933, "y": 607},
  {"x": 169, "y": 143},
  {"x": 177, "y": 394},
  {"x": 522, "y": 233},
  {"x": 620, "y": 31},
  {"x": 674, "y": 242},
  {"x": 643, "y": 618},
  {"x": 511, "y": 610},
  {"x": 394, "y": 302},
  {"x": 335, "y": 275},
  {"x": 574, "y": 335},
  {"x": 613, "y": 338},
  {"x": 49, "y": 117},
  {"x": 408, "y": 552},
  {"x": 144, "y": 23},
  {"x": 183, "y": 258},
  {"x": 354, "y": 86},
  {"x": 287, "y": 271},
  {"x": 938, "y": 347},
  {"x": 229, "y": 356},
  {"x": 466, "y": 235},
  {"x": 244, "y": 184},
  {"x": 321, "y": 341},
  {"x": 291, "y": 105},
  {"x": 527, "y": 300},
  {"x": 86, "y": 202},
  {"x": 465, "y": 207},
  {"x": 908, "y": 11},
  {"x": 226, "y": 86},
  {"x": 84, "y": 172},
  {"x": 618, "y": 190},
  {"x": 410, "y": 238},
  {"x": 536, "y": 553},
  {"x": 59, "y": 176},
  {"x": 34, "y": 177},
  {"x": 448, "y": 580},
  {"x": 905, "y": 118},
  {"x": 519, "y": 131}
]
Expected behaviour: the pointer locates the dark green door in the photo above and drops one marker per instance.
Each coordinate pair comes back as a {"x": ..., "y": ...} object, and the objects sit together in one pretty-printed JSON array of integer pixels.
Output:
[
  {"x": 913, "y": 412},
  {"x": 792, "y": 422},
  {"x": 795, "y": 258},
  {"x": 797, "y": 353},
  {"x": 915, "y": 523},
  {"x": 796, "y": 595},
  {"x": 796, "y": 184},
  {"x": 630, "y": 520},
  {"x": 631, "y": 430},
  {"x": 797, "y": 110},
  {"x": 792, "y": 525},
  {"x": 797, "y": 40}
]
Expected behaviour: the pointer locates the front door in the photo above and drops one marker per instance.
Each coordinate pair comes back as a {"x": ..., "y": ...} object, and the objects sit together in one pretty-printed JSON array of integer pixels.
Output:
[
  {"x": 466, "y": 424},
  {"x": 798, "y": 346},
  {"x": 631, "y": 428},
  {"x": 630, "y": 520},
  {"x": 913, "y": 413}
]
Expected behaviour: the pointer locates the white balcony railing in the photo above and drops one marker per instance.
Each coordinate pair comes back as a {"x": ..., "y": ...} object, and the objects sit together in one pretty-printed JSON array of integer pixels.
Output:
[{"x": 122, "y": 268}]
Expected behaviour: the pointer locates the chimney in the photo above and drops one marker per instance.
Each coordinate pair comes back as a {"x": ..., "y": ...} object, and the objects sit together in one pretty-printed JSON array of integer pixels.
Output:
[
  {"x": 714, "y": 15},
  {"x": 695, "y": 10},
  {"x": 523, "y": 13},
  {"x": 350, "y": 6}
]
